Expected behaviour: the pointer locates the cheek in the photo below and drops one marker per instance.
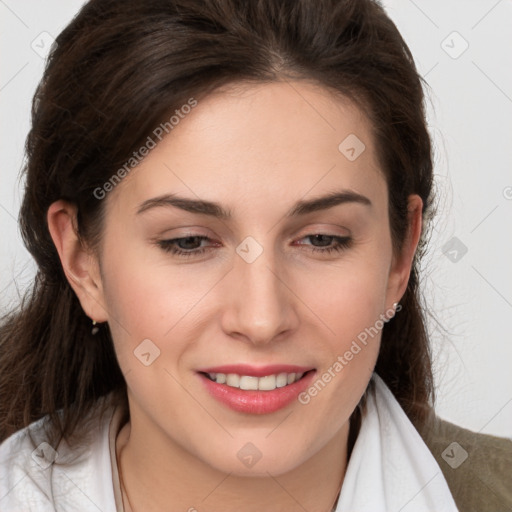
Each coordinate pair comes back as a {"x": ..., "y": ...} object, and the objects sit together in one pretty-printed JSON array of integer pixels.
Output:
[
  {"x": 143, "y": 304},
  {"x": 150, "y": 307},
  {"x": 147, "y": 293},
  {"x": 348, "y": 356},
  {"x": 348, "y": 296},
  {"x": 352, "y": 312},
  {"x": 350, "y": 305},
  {"x": 150, "y": 298}
]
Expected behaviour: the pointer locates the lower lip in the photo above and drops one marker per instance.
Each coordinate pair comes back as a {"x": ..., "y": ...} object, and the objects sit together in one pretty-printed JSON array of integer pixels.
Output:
[{"x": 257, "y": 402}]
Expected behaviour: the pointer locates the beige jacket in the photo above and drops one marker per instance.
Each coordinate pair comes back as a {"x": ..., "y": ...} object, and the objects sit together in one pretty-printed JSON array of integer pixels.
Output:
[{"x": 477, "y": 467}]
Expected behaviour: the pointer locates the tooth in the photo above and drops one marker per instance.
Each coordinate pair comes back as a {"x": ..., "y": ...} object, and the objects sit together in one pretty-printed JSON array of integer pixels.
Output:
[
  {"x": 233, "y": 380},
  {"x": 267, "y": 383},
  {"x": 281, "y": 380},
  {"x": 248, "y": 382}
]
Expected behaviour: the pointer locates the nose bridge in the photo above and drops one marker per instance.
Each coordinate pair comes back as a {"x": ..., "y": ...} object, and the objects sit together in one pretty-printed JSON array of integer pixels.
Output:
[{"x": 260, "y": 307}]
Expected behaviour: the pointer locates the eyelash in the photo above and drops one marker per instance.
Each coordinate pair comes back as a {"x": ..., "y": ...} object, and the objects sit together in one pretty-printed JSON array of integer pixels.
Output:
[{"x": 342, "y": 243}]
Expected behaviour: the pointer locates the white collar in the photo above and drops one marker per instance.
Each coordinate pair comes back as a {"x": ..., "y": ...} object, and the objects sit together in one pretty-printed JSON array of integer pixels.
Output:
[{"x": 391, "y": 468}]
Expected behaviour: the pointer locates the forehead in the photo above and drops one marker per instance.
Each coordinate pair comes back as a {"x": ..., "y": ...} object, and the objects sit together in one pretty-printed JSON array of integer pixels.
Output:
[{"x": 263, "y": 142}]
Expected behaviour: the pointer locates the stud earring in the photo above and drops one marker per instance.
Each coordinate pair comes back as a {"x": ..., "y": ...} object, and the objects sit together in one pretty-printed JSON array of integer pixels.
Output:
[
  {"x": 95, "y": 328},
  {"x": 392, "y": 311}
]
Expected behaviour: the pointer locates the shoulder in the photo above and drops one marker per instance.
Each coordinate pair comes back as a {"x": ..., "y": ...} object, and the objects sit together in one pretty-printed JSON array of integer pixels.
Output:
[
  {"x": 477, "y": 467},
  {"x": 36, "y": 476}
]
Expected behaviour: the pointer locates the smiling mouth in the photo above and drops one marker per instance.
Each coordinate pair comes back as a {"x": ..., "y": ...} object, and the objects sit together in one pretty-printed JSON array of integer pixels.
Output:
[{"x": 252, "y": 383}]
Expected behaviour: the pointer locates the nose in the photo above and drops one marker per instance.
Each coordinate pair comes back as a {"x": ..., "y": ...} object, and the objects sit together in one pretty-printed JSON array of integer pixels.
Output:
[{"x": 260, "y": 306}]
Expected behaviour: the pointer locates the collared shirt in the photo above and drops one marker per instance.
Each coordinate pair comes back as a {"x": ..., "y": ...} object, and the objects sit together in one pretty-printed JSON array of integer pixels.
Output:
[{"x": 36, "y": 477}]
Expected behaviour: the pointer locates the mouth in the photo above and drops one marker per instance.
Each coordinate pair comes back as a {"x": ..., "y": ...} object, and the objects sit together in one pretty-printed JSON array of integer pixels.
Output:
[
  {"x": 256, "y": 390},
  {"x": 253, "y": 383}
]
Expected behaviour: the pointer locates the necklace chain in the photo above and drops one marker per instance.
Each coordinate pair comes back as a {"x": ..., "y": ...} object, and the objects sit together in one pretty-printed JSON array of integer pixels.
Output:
[
  {"x": 123, "y": 488},
  {"x": 124, "y": 493}
]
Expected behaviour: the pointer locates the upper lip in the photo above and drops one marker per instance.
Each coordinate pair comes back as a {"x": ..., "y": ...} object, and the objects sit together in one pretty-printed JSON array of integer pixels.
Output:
[{"x": 256, "y": 371}]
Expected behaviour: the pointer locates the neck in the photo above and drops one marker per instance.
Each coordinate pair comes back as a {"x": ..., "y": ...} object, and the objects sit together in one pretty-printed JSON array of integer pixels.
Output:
[{"x": 163, "y": 476}]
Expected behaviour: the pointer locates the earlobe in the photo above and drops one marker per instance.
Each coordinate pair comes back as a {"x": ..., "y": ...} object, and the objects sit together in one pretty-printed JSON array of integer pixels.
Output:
[
  {"x": 80, "y": 265},
  {"x": 402, "y": 265}
]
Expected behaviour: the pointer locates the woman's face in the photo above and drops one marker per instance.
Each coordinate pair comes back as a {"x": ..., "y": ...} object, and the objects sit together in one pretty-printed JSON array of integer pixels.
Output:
[{"x": 252, "y": 294}]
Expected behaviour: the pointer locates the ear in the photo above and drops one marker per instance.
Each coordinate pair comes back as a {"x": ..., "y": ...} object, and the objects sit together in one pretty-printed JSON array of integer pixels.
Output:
[
  {"x": 79, "y": 263},
  {"x": 402, "y": 263}
]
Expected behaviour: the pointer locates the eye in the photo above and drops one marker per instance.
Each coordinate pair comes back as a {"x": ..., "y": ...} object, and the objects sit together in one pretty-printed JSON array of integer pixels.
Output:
[
  {"x": 326, "y": 243},
  {"x": 184, "y": 247},
  {"x": 190, "y": 246}
]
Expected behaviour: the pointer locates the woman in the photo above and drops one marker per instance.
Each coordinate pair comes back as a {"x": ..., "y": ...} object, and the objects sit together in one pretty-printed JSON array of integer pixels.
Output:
[{"x": 227, "y": 202}]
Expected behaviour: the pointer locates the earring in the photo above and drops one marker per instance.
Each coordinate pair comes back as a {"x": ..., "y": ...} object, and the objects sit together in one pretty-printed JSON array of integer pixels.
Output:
[
  {"x": 393, "y": 311},
  {"x": 95, "y": 328}
]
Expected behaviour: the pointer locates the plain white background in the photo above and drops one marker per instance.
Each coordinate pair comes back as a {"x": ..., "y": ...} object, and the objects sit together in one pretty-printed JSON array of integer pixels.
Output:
[{"x": 463, "y": 48}]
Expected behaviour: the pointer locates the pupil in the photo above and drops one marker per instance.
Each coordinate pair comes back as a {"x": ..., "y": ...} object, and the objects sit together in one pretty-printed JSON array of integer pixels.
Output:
[
  {"x": 326, "y": 239},
  {"x": 188, "y": 240}
]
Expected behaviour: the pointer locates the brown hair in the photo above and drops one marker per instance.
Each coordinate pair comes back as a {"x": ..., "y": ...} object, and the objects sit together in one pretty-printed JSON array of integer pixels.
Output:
[{"x": 112, "y": 76}]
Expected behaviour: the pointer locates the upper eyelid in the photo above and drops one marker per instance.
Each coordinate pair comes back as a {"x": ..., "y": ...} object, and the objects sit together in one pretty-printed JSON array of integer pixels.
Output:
[
  {"x": 206, "y": 237},
  {"x": 309, "y": 231}
]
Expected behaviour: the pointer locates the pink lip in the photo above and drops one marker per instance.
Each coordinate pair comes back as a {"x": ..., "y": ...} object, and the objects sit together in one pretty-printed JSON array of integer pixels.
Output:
[
  {"x": 252, "y": 401},
  {"x": 256, "y": 371}
]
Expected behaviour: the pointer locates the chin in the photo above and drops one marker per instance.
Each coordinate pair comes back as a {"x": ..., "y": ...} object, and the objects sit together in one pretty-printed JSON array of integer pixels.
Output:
[{"x": 249, "y": 461}]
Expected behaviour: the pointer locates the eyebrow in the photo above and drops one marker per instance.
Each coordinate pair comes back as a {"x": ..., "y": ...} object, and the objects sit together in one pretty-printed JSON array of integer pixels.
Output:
[{"x": 302, "y": 207}]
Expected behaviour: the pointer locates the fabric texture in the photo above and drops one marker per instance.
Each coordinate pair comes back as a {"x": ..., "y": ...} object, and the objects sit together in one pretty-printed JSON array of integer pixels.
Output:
[
  {"x": 392, "y": 467},
  {"x": 477, "y": 467},
  {"x": 36, "y": 478}
]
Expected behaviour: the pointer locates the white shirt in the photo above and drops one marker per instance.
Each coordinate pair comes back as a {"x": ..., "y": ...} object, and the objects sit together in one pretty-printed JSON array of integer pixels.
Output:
[
  {"x": 390, "y": 468},
  {"x": 34, "y": 477}
]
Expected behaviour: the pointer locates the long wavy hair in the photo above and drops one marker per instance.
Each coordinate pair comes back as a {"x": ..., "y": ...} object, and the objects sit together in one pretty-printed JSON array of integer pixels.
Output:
[{"x": 112, "y": 76}]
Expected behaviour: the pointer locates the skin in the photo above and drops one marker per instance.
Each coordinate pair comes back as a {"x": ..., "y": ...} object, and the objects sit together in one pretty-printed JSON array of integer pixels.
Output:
[{"x": 255, "y": 149}]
